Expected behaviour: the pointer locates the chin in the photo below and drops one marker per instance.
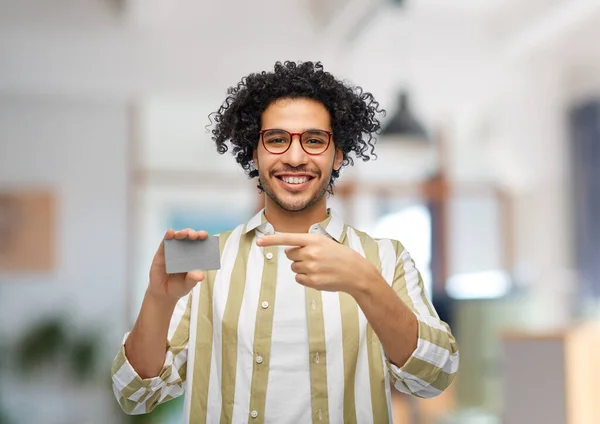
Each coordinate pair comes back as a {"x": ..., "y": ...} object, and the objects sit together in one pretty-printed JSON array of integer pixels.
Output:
[{"x": 293, "y": 206}]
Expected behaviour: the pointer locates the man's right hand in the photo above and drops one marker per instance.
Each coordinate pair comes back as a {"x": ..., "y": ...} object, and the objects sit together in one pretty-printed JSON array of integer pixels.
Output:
[{"x": 172, "y": 287}]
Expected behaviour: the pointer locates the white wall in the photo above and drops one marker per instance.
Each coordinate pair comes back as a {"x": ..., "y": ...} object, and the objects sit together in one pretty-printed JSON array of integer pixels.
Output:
[{"x": 78, "y": 148}]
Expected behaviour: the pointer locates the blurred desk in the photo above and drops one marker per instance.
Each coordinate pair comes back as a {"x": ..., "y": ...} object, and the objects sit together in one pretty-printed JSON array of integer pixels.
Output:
[{"x": 551, "y": 378}]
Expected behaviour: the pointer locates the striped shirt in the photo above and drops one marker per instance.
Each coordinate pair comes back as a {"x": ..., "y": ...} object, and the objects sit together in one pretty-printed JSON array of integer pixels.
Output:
[{"x": 250, "y": 345}]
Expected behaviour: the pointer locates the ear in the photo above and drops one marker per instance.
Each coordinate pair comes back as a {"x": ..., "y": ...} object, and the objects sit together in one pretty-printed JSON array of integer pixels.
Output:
[
  {"x": 255, "y": 157},
  {"x": 339, "y": 158}
]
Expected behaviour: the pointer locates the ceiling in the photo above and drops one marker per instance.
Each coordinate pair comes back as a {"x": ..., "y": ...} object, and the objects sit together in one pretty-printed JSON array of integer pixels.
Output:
[{"x": 443, "y": 52}]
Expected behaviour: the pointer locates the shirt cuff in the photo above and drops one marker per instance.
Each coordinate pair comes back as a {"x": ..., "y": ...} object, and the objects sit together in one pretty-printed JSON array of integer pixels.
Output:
[{"x": 128, "y": 381}]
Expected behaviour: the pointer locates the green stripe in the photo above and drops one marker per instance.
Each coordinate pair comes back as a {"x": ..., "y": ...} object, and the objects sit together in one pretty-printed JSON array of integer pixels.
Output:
[
  {"x": 424, "y": 297},
  {"x": 203, "y": 346},
  {"x": 440, "y": 338},
  {"x": 230, "y": 327},
  {"x": 429, "y": 373},
  {"x": 317, "y": 356},
  {"x": 402, "y": 290},
  {"x": 181, "y": 336},
  {"x": 119, "y": 361},
  {"x": 263, "y": 328},
  {"x": 153, "y": 401},
  {"x": 135, "y": 385},
  {"x": 399, "y": 281},
  {"x": 376, "y": 367},
  {"x": 350, "y": 341}
]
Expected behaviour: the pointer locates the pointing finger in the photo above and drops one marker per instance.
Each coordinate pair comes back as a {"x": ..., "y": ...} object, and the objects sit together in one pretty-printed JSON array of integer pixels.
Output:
[{"x": 286, "y": 239}]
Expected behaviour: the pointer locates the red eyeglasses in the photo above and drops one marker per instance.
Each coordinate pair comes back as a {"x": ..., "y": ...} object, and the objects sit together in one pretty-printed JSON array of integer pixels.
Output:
[{"x": 277, "y": 141}]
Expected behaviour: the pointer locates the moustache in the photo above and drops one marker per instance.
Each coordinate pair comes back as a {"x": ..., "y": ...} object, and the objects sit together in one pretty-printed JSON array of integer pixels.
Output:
[{"x": 298, "y": 170}]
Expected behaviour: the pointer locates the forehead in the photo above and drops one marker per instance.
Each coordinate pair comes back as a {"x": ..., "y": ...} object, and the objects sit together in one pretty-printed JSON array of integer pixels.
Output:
[{"x": 296, "y": 115}]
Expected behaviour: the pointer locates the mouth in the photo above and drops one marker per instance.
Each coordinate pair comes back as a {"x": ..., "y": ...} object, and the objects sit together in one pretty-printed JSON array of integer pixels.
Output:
[{"x": 295, "y": 182}]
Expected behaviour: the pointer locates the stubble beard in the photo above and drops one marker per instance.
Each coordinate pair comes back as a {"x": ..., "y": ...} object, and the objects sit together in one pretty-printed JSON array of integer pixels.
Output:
[{"x": 298, "y": 205}]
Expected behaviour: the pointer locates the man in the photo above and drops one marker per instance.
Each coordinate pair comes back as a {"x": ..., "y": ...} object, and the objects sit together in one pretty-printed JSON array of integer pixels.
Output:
[{"x": 308, "y": 319}]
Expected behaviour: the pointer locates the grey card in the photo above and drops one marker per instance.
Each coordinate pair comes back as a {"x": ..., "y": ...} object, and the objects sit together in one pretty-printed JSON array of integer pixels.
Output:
[{"x": 191, "y": 255}]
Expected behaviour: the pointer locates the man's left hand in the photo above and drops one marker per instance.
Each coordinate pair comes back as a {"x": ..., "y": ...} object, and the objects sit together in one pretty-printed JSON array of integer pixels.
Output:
[{"x": 320, "y": 262}]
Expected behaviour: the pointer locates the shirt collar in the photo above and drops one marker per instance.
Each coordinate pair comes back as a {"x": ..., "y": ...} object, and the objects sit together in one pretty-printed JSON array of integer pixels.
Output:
[{"x": 333, "y": 226}]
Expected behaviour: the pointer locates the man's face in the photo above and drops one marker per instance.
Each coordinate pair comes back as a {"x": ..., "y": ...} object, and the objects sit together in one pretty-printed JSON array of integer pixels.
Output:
[{"x": 296, "y": 180}]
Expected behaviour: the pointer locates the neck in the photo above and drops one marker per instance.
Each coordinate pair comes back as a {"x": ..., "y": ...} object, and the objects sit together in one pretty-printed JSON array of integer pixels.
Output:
[{"x": 284, "y": 221}]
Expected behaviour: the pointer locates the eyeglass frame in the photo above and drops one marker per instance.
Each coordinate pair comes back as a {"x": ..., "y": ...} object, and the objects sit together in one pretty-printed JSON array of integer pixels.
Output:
[{"x": 262, "y": 139}]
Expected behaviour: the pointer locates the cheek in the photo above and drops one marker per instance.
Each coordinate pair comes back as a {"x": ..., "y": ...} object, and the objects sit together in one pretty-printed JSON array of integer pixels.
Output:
[{"x": 262, "y": 161}]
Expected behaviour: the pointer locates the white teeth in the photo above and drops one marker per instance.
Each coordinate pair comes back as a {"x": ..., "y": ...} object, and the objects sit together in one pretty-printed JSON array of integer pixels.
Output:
[{"x": 295, "y": 180}]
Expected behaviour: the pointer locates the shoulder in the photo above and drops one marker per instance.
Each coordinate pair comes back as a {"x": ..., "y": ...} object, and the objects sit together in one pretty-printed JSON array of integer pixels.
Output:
[
  {"x": 232, "y": 235},
  {"x": 352, "y": 233}
]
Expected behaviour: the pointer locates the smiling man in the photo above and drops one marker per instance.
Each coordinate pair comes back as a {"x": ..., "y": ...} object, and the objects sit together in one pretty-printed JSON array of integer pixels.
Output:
[{"x": 308, "y": 319}]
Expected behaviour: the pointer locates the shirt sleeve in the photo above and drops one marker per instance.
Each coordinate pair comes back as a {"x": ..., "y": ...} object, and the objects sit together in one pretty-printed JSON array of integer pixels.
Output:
[
  {"x": 434, "y": 364},
  {"x": 139, "y": 396}
]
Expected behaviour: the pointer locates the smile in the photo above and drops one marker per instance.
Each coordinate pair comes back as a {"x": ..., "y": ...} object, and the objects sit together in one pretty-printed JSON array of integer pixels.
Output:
[
  {"x": 295, "y": 183},
  {"x": 295, "y": 180}
]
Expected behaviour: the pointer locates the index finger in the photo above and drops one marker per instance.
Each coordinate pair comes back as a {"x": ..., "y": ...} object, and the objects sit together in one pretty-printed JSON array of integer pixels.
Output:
[{"x": 285, "y": 239}]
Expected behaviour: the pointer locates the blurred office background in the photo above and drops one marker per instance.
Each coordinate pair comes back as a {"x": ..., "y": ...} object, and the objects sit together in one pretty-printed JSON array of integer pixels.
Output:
[{"x": 488, "y": 172}]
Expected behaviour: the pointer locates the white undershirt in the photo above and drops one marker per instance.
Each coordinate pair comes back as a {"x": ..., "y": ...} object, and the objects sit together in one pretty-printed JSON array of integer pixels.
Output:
[{"x": 289, "y": 372}]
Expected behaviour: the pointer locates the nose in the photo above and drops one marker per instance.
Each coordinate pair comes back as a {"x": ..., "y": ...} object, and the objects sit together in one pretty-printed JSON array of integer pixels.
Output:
[{"x": 295, "y": 156}]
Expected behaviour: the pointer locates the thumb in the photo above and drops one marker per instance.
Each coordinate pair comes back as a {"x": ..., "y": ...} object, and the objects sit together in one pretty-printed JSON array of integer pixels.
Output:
[
  {"x": 194, "y": 277},
  {"x": 160, "y": 252}
]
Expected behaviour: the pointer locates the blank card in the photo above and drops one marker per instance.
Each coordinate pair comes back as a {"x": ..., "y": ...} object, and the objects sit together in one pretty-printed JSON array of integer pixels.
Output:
[{"x": 192, "y": 255}]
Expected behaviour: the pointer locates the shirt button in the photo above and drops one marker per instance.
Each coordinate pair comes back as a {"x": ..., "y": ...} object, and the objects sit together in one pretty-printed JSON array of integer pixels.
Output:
[
  {"x": 265, "y": 304},
  {"x": 254, "y": 414},
  {"x": 269, "y": 256},
  {"x": 259, "y": 359}
]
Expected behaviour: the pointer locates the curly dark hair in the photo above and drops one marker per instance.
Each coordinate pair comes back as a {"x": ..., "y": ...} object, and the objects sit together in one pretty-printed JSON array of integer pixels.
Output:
[{"x": 353, "y": 113}]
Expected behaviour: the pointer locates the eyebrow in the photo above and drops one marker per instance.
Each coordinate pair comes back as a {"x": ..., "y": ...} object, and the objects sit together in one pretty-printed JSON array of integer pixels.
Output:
[{"x": 314, "y": 130}]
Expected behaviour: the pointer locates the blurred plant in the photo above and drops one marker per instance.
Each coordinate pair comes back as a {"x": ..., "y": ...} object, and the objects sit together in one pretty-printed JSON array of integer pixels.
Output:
[
  {"x": 53, "y": 342},
  {"x": 4, "y": 418}
]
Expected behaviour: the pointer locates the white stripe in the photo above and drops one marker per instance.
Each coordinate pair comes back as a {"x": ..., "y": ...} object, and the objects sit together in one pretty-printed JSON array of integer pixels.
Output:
[
  {"x": 387, "y": 257},
  {"x": 125, "y": 375},
  {"x": 178, "y": 361},
  {"x": 411, "y": 276},
  {"x": 332, "y": 320},
  {"x": 414, "y": 383},
  {"x": 417, "y": 386},
  {"x": 362, "y": 385},
  {"x": 255, "y": 220},
  {"x": 451, "y": 366},
  {"x": 246, "y": 323},
  {"x": 437, "y": 356},
  {"x": 220, "y": 294},
  {"x": 178, "y": 313},
  {"x": 138, "y": 394},
  {"x": 432, "y": 322},
  {"x": 174, "y": 390},
  {"x": 400, "y": 387},
  {"x": 139, "y": 409},
  {"x": 191, "y": 353},
  {"x": 335, "y": 226},
  {"x": 117, "y": 393}
]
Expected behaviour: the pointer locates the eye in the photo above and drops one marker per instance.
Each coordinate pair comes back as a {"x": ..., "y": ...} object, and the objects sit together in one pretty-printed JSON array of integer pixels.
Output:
[
  {"x": 314, "y": 141},
  {"x": 276, "y": 140}
]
